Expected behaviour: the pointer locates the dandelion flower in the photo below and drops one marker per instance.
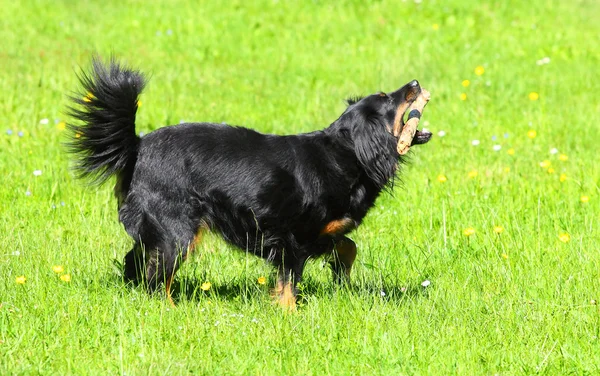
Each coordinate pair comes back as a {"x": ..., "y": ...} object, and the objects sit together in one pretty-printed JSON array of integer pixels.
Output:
[
  {"x": 507, "y": 169},
  {"x": 466, "y": 83},
  {"x": 463, "y": 96},
  {"x": 139, "y": 103},
  {"x": 498, "y": 229},
  {"x": 206, "y": 286},
  {"x": 511, "y": 151},
  {"x": 562, "y": 178},
  {"x": 473, "y": 174},
  {"x": 442, "y": 178},
  {"x": 78, "y": 135},
  {"x": 534, "y": 96},
  {"x": 88, "y": 97},
  {"x": 545, "y": 164},
  {"x": 262, "y": 280},
  {"x": 435, "y": 26},
  {"x": 58, "y": 269},
  {"x": 585, "y": 199},
  {"x": 532, "y": 133},
  {"x": 65, "y": 278},
  {"x": 479, "y": 70},
  {"x": 469, "y": 231},
  {"x": 61, "y": 126},
  {"x": 550, "y": 170},
  {"x": 563, "y": 157},
  {"x": 565, "y": 238},
  {"x": 21, "y": 279},
  {"x": 505, "y": 256}
]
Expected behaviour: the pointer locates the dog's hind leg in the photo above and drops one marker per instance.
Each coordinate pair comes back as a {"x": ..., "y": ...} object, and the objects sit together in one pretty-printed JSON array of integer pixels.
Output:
[
  {"x": 344, "y": 255},
  {"x": 134, "y": 265}
]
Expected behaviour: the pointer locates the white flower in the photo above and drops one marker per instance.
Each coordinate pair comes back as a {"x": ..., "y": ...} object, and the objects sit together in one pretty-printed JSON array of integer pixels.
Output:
[
  {"x": 543, "y": 61},
  {"x": 553, "y": 151},
  {"x": 382, "y": 293},
  {"x": 497, "y": 147},
  {"x": 441, "y": 133},
  {"x": 425, "y": 283},
  {"x": 44, "y": 121},
  {"x": 475, "y": 142},
  {"x": 37, "y": 172}
]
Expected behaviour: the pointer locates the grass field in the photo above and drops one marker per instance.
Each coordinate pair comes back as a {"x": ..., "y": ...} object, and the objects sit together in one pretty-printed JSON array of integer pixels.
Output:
[{"x": 484, "y": 260}]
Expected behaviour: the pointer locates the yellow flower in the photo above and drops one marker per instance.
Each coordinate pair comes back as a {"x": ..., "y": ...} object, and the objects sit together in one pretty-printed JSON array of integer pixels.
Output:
[
  {"x": 78, "y": 135},
  {"x": 565, "y": 238},
  {"x": 262, "y": 280},
  {"x": 469, "y": 231},
  {"x": 88, "y": 97},
  {"x": 563, "y": 157},
  {"x": 58, "y": 269},
  {"x": 545, "y": 164},
  {"x": 20, "y": 279},
  {"x": 505, "y": 256},
  {"x": 534, "y": 96},
  {"x": 473, "y": 174},
  {"x": 206, "y": 286},
  {"x": 563, "y": 177},
  {"x": 139, "y": 103},
  {"x": 507, "y": 169},
  {"x": 479, "y": 70},
  {"x": 65, "y": 278},
  {"x": 463, "y": 96},
  {"x": 466, "y": 83},
  {"x": 498, "y": 229},
  {"x": 442, "y": 178},
  {"x": 585, "y": 199},
  {"x": 511, "y": 151},
  {"x": 531, "y": 134},
  {"x": 61, "y": 126},
  {"x": 550, "y": 170},
  {"x": 435, "y": 26}
]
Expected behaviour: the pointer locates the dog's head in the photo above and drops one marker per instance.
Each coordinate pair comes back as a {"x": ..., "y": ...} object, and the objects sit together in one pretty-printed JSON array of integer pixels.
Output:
[{"x": 373, "y": 124}]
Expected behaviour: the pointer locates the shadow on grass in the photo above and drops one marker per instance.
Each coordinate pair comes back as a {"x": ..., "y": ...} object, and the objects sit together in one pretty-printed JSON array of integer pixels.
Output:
[{"x": 193, "y": 289}]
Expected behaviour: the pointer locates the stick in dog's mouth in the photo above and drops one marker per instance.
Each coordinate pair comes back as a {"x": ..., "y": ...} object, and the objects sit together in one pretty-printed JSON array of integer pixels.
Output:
[{"x": 407, "y": 133}]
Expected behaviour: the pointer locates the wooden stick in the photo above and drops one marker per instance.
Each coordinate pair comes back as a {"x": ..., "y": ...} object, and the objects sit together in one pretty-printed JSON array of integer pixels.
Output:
[{"x": 410, "y": 128}]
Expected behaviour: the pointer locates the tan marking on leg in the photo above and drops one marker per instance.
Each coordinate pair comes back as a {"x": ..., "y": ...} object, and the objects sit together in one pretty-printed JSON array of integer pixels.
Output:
[
  {"x": 197, "y": 239},
  {"x": 345, "y": 254},
  {"x": 287, "y": 298},
  {"x": 168, "y": 290},
  {"x": 338, "y": 227}
]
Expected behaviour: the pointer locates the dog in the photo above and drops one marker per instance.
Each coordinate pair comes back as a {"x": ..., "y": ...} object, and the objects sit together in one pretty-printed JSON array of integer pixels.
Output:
[{"x": 284, "y": 198}]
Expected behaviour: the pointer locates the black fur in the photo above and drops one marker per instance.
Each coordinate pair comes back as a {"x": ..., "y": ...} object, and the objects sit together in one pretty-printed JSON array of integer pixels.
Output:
[{"x": 267, "y": 194}]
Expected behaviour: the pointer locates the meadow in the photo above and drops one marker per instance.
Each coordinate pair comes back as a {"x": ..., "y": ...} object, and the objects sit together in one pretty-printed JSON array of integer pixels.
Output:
[{"x": 482, "y": 260}]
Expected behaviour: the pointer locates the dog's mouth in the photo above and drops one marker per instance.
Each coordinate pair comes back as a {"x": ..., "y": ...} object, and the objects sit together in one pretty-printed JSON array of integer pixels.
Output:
[{"x": 412, "y": 99}]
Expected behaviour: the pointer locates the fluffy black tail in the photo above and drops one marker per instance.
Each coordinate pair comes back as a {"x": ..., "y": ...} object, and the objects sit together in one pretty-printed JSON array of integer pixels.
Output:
[{"x": 106, "y": 143}]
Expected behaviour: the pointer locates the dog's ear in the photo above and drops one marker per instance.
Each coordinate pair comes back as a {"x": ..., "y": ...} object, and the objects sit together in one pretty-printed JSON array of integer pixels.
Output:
[{"x": 375, "y": 148}]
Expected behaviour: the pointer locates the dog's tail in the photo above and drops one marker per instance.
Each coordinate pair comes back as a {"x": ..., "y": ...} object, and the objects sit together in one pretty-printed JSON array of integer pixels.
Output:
[{"x": 106, "y": 143}]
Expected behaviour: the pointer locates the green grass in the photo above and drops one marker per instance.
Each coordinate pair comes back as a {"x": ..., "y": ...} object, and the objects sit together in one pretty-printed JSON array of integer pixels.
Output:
[{"x": 519, "y": 302}]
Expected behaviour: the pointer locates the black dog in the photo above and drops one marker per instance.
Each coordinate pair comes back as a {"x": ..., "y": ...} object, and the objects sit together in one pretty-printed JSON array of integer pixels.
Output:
[{"x": 284, "y": 198}]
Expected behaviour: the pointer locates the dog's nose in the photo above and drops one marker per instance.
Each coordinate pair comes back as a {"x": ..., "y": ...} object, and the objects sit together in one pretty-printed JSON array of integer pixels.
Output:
[{"x": 413, "y": 83}]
